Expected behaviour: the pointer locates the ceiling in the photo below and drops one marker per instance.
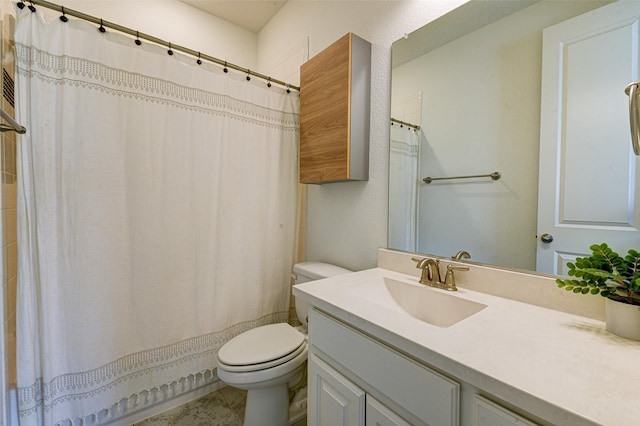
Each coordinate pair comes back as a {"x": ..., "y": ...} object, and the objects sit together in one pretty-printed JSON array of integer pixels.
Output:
[{"x": 251, "y": 15}]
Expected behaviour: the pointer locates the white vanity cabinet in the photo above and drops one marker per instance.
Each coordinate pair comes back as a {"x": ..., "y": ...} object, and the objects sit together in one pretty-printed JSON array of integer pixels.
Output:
[
  {"x": 509, "y": 364},
  {"x": 350, "y": 374}
]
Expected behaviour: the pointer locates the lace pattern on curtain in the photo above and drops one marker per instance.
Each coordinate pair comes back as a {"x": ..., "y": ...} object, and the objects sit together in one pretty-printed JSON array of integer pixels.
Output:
[{"x": 65, "y": 70}]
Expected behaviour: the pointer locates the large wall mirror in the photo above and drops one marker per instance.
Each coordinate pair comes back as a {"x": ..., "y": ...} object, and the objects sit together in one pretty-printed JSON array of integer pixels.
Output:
[{"x": 473, "y": 81}]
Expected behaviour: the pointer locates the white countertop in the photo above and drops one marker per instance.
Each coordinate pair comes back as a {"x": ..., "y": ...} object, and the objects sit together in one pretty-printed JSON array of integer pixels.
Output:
[{"x": 565, "y": 369}]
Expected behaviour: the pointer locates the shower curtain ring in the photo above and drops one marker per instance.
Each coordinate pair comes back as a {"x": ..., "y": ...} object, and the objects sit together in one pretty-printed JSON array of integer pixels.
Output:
[
  {"x": 248, "y": 75},
  {"x": 20, "y": 5},
  {"x": 269, "y": 82},
  {"x": 101, "y": 28},
  {"x": 138, "y": 42},
  {"x": 63, "y": 18},
  {"x": 288, "y": 88},
  {"x": 170, "y": 52},
  {"x": 225, "y": 69},
  {"x": 199, "y": 61},
  {"x": 32, "y": 8}
]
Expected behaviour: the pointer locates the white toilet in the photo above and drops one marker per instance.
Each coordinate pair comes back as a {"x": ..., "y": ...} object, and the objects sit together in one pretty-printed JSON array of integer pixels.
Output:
[{"x": 264, "y": 360}]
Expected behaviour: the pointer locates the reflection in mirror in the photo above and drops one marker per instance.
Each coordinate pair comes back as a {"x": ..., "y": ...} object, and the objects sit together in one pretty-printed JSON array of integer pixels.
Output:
[
  {"x": 403, "y": 184},
  {"x": 476, "y": 97}
]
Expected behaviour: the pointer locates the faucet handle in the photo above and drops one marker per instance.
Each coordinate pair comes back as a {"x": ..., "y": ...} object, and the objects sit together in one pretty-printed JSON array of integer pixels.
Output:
[{"x": 450, "y": 279}]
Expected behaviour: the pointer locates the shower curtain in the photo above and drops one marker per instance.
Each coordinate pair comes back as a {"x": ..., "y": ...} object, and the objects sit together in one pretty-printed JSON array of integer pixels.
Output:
[
  {"x": 403, "y": 187},
  {"x": 156, "y": 215}
]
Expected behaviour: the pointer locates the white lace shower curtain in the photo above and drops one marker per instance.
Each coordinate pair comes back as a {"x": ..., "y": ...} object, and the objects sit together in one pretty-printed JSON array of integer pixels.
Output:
[
  {"x": 156, "y": 215},
  {"x": 403, "y": 187}
]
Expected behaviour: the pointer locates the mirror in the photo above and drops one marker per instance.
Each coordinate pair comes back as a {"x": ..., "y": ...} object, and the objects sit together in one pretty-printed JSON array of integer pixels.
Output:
[{"x": 471, "y": 80}]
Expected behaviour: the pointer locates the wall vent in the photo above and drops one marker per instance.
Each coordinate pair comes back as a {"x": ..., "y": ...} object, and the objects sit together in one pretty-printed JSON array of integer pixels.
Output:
[{"x": 8, "y": 87}]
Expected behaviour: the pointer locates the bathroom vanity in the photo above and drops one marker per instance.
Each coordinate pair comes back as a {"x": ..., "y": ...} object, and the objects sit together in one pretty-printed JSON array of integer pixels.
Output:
[{"x": 387, "y": 350}]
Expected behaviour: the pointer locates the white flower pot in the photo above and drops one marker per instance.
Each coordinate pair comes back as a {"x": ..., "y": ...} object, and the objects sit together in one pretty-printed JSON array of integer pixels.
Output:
[{"x": 623, "y": 319}]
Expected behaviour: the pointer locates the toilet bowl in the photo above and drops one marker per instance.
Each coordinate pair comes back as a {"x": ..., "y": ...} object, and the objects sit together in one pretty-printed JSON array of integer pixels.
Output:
[{"x": 266, "y": 359}]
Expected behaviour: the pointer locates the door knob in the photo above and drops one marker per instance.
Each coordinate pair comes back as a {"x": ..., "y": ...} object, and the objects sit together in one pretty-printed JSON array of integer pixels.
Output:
[{"x": 546, "y": 238}]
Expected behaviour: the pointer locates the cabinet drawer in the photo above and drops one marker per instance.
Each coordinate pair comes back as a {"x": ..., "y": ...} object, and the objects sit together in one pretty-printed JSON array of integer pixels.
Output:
[{"x": 428, "y": 395}]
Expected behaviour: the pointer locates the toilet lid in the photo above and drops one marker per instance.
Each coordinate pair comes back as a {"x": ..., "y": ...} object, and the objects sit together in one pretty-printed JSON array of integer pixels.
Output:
[{"x": 261, "y": 344}]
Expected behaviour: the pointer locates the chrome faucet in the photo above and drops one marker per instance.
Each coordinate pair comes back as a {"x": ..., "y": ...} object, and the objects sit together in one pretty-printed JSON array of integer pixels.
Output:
[{"x": 431, "y": 273}]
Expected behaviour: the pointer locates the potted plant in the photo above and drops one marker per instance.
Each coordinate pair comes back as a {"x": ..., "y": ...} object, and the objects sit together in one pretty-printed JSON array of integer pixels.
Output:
[{"x": 617, "y": 278}]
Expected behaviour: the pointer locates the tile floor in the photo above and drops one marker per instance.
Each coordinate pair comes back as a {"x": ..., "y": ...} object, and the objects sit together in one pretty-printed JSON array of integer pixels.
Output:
[{"x": 224, "y": 407}]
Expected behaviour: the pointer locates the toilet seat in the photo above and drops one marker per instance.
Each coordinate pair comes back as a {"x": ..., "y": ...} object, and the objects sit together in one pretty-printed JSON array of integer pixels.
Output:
[{"x": 261, "y": 348}]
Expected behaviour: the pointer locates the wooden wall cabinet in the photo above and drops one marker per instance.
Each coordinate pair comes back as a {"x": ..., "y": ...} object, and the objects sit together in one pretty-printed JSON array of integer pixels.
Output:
[{"x": 335, "y": 99}]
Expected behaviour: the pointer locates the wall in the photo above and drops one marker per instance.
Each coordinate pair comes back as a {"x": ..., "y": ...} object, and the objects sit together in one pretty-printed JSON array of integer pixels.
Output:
[
  {"x": 178, "y": 23},
  {"x": 347, "y": 222}
]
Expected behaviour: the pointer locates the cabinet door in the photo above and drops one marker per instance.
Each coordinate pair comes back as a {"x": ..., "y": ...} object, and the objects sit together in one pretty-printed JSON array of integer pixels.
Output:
[
  {"x": 488, "y": 413},
  {"x": 333, "y": 399},
  {"x": 379, "y": 415},
  {"x": 335, "y": 92}
]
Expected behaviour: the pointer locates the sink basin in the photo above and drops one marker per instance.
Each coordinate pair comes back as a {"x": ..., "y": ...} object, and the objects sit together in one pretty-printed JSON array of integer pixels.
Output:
[{"x": 419, "y": 301}]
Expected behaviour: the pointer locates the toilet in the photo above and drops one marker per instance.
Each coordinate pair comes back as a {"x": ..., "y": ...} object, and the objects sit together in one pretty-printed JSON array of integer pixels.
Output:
[{"x": 266, "y": 359}]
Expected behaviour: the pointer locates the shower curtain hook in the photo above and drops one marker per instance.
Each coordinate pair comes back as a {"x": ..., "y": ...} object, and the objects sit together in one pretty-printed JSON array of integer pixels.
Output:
[
  {"x": 32, "y": 8},
  {"x": 170, "y": 52},
  {"x": 63, "y": 18},
  {"x": 225, "y": 69},
  {"x": 101, "y": 28},
  {"x": 288, "y": 88},
  {"x": 138, "y": 42},
  {"x": 199, "y": 61},
  {"x": 248, "y": 74},
  {"x": 20, "y": 5},
  {"x": 269, "y": 82}
]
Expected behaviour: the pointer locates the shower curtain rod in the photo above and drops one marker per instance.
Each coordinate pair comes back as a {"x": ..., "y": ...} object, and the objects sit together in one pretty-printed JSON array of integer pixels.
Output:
[
  {"x": 171, "y": 47},
  {"x": 404, "y": 123}
]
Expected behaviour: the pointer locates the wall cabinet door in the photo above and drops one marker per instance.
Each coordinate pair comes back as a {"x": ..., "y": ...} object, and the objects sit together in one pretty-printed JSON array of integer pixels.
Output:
[
  {"x": 333, "y": 399},
  {"x": 488, "y": 413},
  {"x": 335, "y": 93},
  {"x": 379, "y": 415}
]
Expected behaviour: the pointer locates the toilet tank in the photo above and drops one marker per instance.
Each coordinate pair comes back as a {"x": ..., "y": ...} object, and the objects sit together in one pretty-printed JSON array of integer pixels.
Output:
[{"x": 310, "y": 271}]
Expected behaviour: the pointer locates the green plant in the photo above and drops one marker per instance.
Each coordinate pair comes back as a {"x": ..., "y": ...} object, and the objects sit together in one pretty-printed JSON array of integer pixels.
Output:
[{"x": 606, "y": 273}]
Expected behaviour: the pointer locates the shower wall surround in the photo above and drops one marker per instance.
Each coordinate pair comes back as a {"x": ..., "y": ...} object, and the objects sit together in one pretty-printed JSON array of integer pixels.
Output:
[{"x": 9, "y": 245}]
